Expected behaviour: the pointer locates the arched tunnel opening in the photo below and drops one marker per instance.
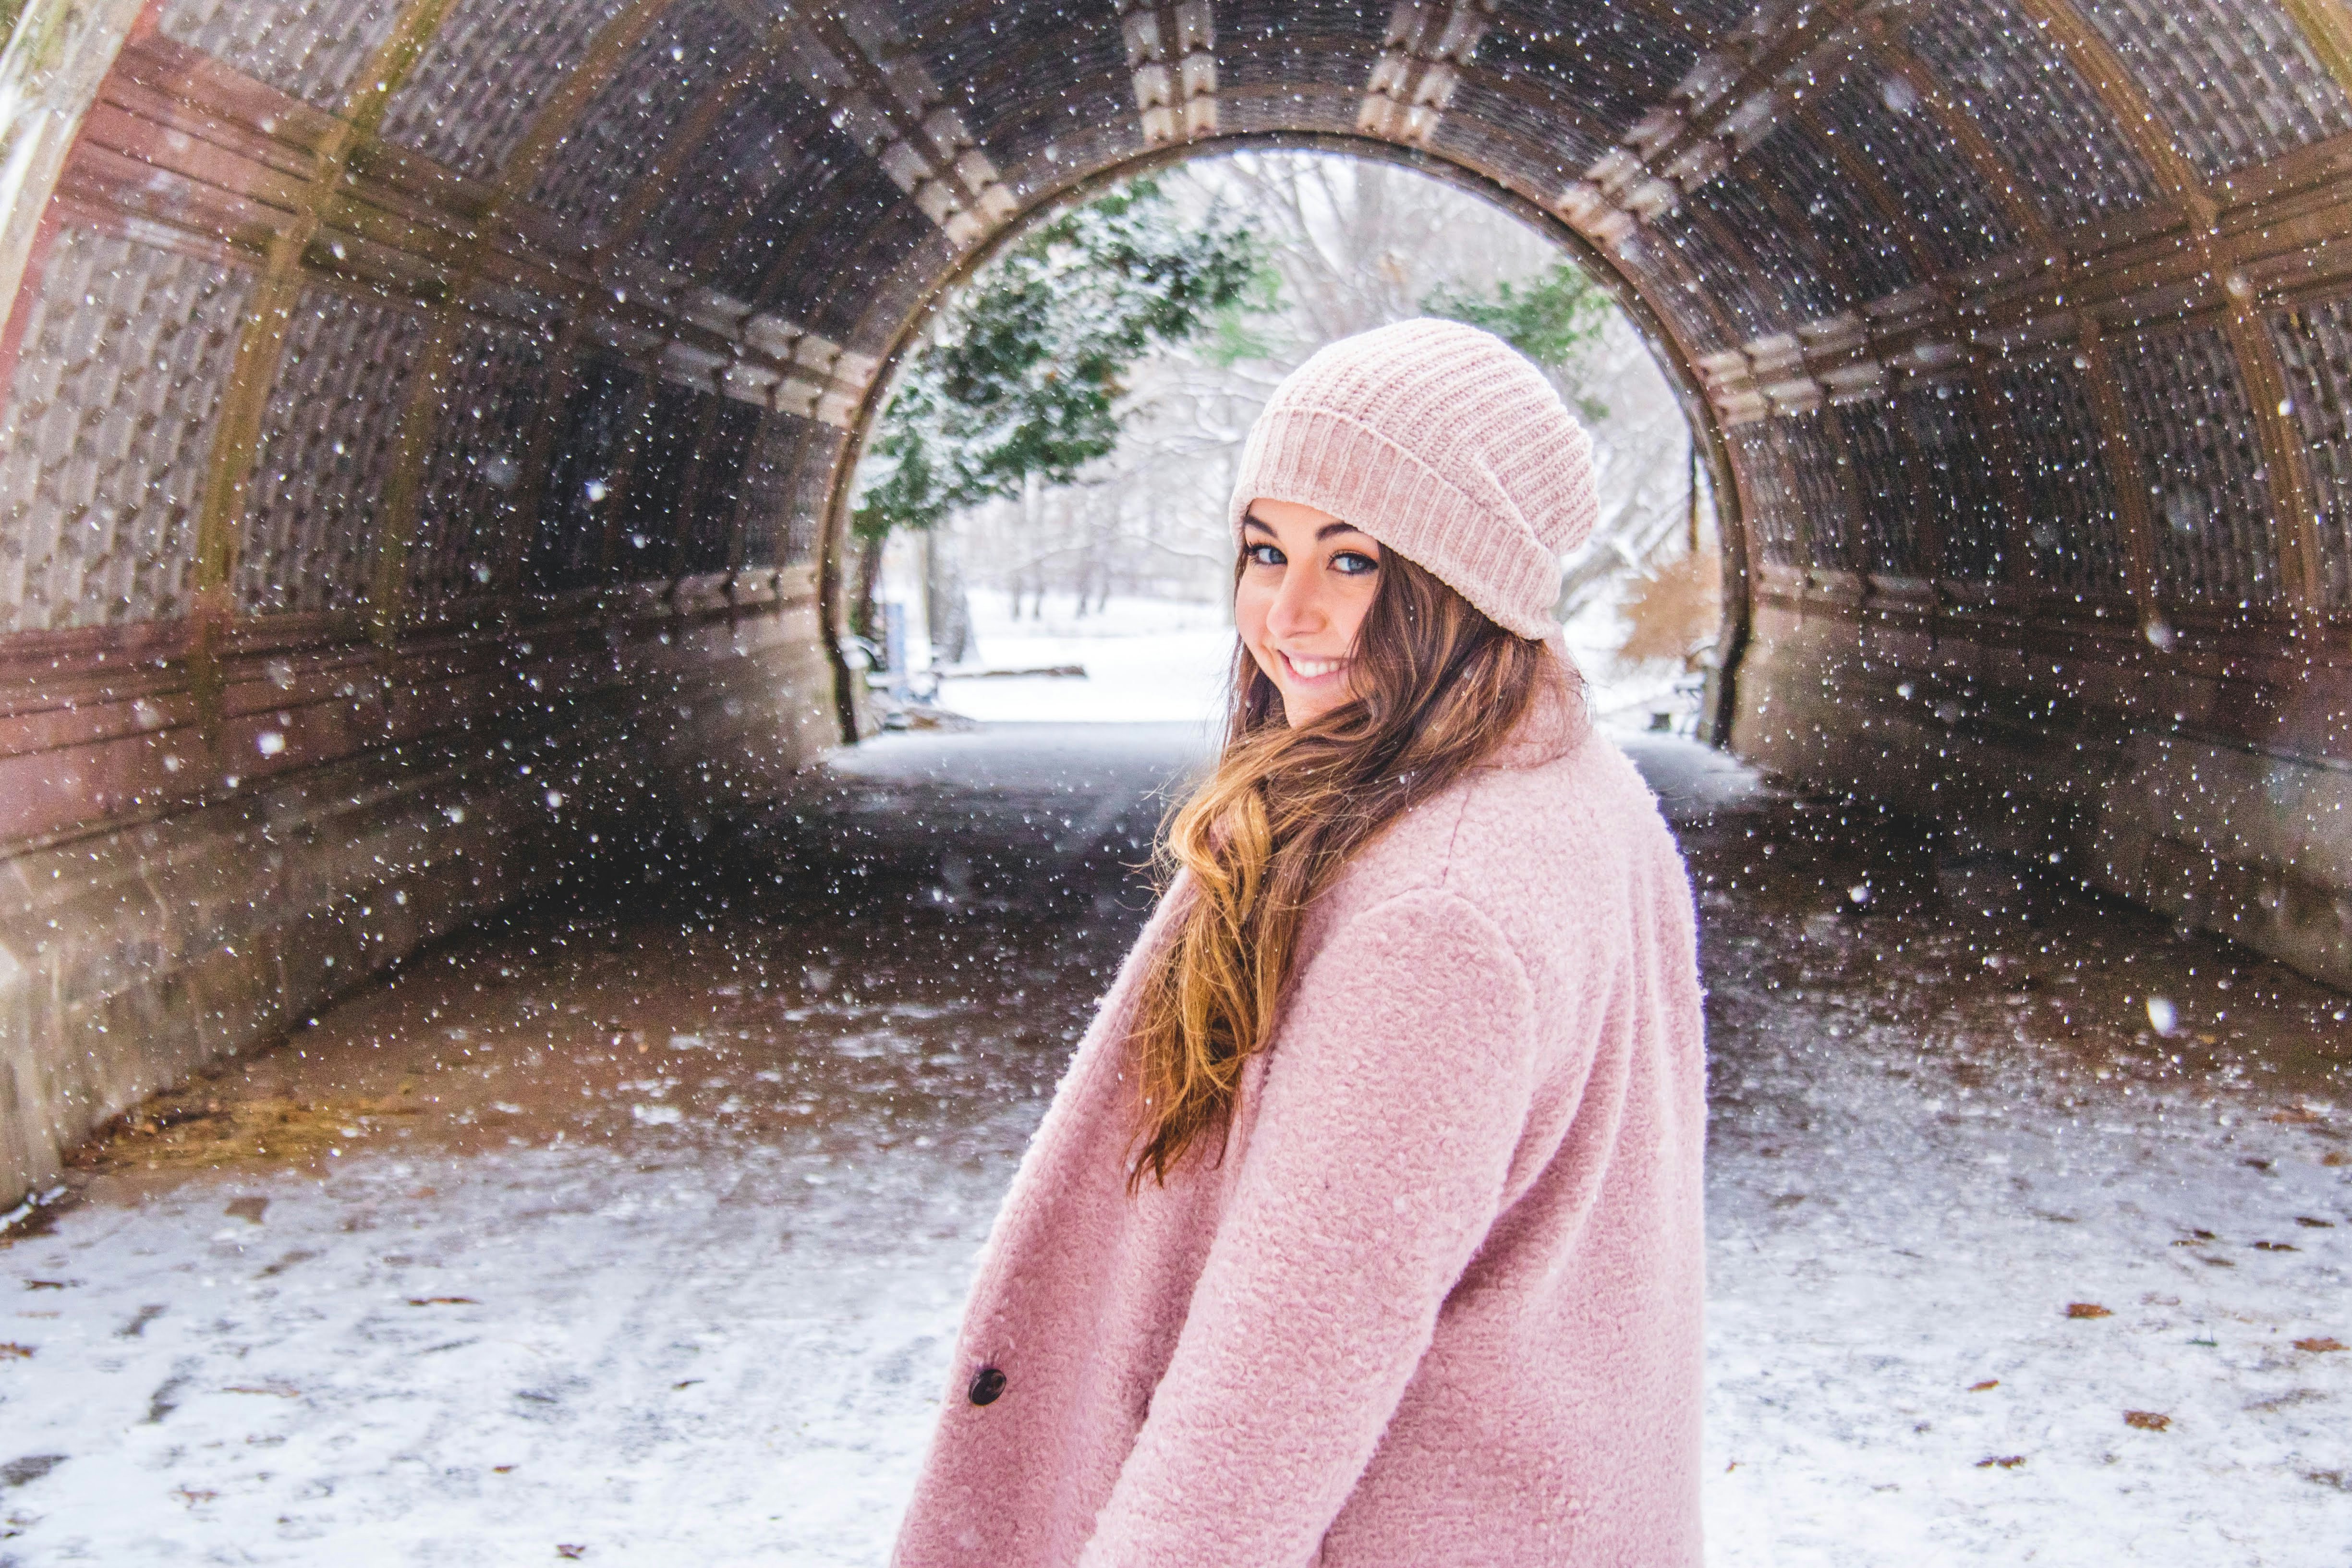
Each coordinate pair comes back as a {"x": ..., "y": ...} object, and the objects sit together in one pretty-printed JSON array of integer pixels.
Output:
[
  {"x": 974, "y": 553},
  {"x": 426, "y": 447}
]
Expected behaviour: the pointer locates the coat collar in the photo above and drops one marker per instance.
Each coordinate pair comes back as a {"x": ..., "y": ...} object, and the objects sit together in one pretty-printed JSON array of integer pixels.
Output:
[{"x": 1557, "y": 719}]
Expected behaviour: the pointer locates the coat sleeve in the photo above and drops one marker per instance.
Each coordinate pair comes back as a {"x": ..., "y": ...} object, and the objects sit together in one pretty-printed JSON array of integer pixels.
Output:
[{"x": 1393, "y": 1099}]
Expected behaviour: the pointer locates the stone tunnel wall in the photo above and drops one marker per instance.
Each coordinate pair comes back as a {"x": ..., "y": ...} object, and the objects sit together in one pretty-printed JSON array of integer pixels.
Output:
[
  {"x": 397, "y": 397},
  {"x": 354, "y": 576}
]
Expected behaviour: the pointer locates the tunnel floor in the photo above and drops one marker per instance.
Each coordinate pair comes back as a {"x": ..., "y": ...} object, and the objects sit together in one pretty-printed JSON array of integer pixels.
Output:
[{"x": 633, "y": 1229}]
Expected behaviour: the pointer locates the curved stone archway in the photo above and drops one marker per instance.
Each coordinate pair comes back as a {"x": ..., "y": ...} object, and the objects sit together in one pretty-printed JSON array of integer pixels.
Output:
[{"x": 422, "y": 422}]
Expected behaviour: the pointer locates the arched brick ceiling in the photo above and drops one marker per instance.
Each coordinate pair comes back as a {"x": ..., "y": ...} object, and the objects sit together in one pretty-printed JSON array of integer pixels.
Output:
[{"x": 2035, "y": 295}]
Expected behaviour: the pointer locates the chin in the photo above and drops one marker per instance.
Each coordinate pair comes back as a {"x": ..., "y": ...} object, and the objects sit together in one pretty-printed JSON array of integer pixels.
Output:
[{"x": 1296, "y": 712}]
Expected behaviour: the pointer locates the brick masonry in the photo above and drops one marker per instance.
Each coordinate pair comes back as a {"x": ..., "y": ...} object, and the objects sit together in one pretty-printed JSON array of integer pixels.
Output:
[
  {"x": 108, "y": 421},
  {"x": 326, "y": 453},
  {"x": 386, "y": 377}
]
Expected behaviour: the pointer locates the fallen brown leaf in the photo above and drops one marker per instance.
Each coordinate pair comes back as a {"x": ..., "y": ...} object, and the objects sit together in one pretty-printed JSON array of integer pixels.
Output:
[
  {"x": 2315, "y": 1224},
  {"x": 2276, "y": 1246},
  {"x": 2319, "y": 1345},
  {"x": 576, "y": 1551},
  {"x": 442, "y": 1302},
  {"x": 2086, "y": 1310},
  {"x": 1980, "y": 1387},
  {"x": 179, "y": 1132},
  {"x": 16, "y": 1353},
  {"x": 2146, "y": 1420},
  {"x": 2005, "y": 1461}
]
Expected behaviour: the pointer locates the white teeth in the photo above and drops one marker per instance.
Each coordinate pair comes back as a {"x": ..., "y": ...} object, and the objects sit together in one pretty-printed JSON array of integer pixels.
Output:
[{"x": 1312, "y": 667}]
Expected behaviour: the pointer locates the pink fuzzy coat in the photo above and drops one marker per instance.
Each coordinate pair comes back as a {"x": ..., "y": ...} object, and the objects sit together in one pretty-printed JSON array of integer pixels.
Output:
[{"x": 1439, "y": 1301}]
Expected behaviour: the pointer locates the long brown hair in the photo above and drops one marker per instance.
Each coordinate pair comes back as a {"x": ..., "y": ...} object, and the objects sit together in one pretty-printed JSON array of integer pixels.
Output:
[{"x": 1433, "y": 686}]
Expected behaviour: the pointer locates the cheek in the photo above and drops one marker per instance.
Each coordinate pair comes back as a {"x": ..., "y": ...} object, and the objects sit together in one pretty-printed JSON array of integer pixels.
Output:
[
  {"x": 1251, "y": 602},
  {"x": 1348, "y": 615}
]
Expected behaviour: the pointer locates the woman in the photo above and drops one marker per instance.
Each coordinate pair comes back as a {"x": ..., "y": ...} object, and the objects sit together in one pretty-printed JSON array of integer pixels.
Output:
[{"x": 1365, "y": 1226}]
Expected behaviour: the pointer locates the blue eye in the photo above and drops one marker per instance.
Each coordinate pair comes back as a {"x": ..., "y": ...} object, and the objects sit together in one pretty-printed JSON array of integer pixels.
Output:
[
  {"x": 1354, "y": 563},
  {"x": 1265, "y": 555}
]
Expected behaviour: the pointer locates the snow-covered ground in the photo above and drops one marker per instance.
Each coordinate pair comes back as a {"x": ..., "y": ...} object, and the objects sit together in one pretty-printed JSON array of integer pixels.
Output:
[
  {"x": 634, "y": 1233},
  {"x": 1145, "y": 661},
  {"x": 480, "y": 1360},
  {"x": 1939, "y": 1297}
]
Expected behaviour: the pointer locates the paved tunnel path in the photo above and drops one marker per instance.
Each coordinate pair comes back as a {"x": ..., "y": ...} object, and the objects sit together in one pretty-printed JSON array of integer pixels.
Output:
[{"x": 631, "y": 1232}]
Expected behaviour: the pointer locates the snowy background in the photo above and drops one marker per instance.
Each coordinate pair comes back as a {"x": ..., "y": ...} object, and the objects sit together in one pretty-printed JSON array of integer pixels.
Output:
[{"x": 1169, "y": 661}]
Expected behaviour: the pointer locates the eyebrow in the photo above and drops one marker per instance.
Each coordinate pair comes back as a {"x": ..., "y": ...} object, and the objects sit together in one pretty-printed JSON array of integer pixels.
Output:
[{"x": 1252, "y": 520}]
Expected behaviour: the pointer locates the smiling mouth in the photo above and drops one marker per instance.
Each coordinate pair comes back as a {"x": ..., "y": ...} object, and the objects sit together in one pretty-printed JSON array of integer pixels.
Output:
[{"x": 1311, "y": 669}]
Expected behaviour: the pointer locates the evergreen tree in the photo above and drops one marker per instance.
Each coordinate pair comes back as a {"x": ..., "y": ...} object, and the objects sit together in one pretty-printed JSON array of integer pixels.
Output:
[{"x": 1024, "y": 373}]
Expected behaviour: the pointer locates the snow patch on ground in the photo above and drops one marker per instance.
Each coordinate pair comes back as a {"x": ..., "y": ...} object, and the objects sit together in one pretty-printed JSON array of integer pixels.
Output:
[
  {"x": 482, "y": 1361},
  {"x": 1145, "y": 661},
  {"x": 1894, "y": 1373},
  {"x": 476, "y": 1361}
]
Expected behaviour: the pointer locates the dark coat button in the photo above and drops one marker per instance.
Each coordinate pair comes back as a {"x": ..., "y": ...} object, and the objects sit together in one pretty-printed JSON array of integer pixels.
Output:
[{"x": 986, "y": 1384}]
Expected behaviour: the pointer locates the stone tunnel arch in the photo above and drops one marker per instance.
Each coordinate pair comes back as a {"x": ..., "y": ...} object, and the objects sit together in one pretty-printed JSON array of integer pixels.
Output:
[{"x": 420, "y": 425}]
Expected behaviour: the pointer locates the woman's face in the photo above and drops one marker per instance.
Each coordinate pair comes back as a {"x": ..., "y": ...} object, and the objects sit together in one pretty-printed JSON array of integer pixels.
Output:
[{"x": 1306, "y": 580}]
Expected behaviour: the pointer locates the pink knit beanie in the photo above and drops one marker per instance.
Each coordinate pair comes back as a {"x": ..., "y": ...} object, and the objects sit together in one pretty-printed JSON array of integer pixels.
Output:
[{"x": 1439, "y": 441}]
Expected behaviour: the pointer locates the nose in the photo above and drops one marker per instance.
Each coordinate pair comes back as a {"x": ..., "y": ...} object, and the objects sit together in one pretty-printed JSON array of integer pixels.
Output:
[{"x": 1298, "y": 610}]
